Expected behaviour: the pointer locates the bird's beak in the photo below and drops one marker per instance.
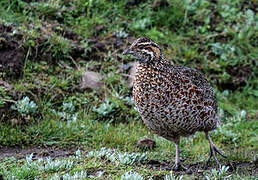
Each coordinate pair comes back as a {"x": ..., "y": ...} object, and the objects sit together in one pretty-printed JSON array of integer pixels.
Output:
[{"x": 127, "y": 51}]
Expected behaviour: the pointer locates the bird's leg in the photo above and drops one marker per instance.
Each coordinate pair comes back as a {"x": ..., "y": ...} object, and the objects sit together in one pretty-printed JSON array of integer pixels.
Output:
[
  {"x": 178, "y": 166},
  {"x": 213, "y": 150}
]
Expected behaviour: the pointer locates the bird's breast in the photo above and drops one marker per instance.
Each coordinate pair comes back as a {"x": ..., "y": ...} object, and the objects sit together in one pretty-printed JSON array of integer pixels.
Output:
[{"x": 150, "y": 91}]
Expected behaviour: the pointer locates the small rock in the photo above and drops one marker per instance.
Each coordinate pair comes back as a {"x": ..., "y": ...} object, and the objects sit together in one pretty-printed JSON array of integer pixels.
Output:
[
  {"x": 146, "y": 143},
  {"x": 132, "y": 74},
  {"x": 91, "y": 80}
]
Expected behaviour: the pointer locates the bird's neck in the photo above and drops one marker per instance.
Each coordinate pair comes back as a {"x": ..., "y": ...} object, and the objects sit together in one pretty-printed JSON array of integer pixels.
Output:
[{"x": 159, "y": 63}]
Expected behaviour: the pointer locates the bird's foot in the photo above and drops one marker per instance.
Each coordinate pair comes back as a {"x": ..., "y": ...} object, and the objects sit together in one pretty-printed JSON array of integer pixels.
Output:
[
  {"x": 178, "y": 167},
  {"x": 213, "y": 152}
]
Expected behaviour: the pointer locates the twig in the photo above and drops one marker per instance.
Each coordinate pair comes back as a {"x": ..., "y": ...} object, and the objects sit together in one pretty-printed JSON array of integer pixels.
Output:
[
  {"x": 74, "y": 62},
  {"x": 8, "y": 100}
]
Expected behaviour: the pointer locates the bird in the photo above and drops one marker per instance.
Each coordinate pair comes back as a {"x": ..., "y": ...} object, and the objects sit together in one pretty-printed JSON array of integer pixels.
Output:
[{"x": 174, "y": 101}]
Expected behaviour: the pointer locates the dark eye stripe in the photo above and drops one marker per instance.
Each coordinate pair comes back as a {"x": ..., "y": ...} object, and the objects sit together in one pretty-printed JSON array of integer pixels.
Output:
[
  {"x": 155, "y": 45},
  {"x": 148, "y": 48}
]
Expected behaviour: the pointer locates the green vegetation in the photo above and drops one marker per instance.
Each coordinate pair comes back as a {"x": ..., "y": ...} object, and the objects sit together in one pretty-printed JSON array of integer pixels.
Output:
[{"x": 45, "y": 48}]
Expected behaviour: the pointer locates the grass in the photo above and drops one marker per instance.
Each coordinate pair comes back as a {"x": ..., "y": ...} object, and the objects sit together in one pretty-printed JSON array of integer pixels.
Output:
[{"x": 60, "y": 40}]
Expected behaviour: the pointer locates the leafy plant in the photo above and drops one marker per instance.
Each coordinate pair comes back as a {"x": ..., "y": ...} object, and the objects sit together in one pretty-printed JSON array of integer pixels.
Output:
[
  {"x": 56, "y": 165},
  {"x": 106, "y": 108},
  {"x": 67, "y": 113},
  {"x": 219, "y": 174},
  {"x": 131, "y": 176},
  {"x": 67, "y": 176},
  {"x": 171, "y": 176},
  {"x": 25, "y": 106},
  {"x": 113, "y": 109},
  {"x": 123, "y": 158}
]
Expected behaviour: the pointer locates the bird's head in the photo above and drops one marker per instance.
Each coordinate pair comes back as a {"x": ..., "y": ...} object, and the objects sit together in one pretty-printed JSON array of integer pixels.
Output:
[{"x": 145, "y": 50}]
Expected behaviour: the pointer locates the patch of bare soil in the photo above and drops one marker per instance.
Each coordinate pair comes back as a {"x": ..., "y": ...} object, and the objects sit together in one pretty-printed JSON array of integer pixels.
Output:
[
  {"x": 38, "y": 152},
  {"x": 198, "y": 169},
  {"x": 11, "y": 51}
]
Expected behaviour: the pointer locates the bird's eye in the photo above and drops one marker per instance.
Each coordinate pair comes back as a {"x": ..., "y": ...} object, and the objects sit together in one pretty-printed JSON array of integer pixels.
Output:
[{"x": 140, "y": 46}]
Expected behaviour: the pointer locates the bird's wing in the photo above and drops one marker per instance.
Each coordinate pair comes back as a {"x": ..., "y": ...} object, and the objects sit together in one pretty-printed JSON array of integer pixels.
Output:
[{"x": 198, "y": 79}]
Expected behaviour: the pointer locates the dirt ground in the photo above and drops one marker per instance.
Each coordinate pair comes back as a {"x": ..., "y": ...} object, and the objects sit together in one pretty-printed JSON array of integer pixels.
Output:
[
  {"x": 198, "y": 168},
  {"x": 38, "y": 152},
  {"x": 11, "y": 51}
]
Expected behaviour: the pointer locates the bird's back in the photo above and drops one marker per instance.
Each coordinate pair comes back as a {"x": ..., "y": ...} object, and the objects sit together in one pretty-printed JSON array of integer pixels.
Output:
[{"x": 174, "y": 100}]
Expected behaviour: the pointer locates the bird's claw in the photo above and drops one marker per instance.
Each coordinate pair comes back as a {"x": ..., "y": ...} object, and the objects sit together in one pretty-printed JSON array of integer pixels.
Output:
[
  {"x": 178, "y": 167},
  {"x": 213, "y": 152}
]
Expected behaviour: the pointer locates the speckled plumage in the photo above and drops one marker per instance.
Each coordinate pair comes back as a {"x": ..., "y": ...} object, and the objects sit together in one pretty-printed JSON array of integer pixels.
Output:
[{"x": 172, "y": 100}]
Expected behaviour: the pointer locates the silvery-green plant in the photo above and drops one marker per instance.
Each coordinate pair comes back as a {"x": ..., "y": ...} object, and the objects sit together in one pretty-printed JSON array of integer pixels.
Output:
[
  {"x": 129, "y": 100},
  {"x": 121, "y": 33},
  {"x": 131, "y": 158},
  {"x": 76, "y": 175},
  {"x": 68, "y": 113},
  {"x": 29, "y": 158},
  {"x": 223, "y": 172},
  {"x": 243, "y": 114},
  {"x": 218, "y": 174},
  {"x": 67, "y": 176},
  {"x": 171, "y": 176},
  {"x": 57, "y": 165},
  {"x": 69, "y": 117},
  {"x": 225, "y": 51},
  {"x": 101, "y": 153},
  {"x": 141, "y": 24},
  {"x": 106, "y": 108},
  {"x": 29, "y": 170},
  {"x": 78, "y": 154},
  {"x": 117, "y": 157},
  {"x": 131, "y": 176},
  {"x": 68, "y": 107},
  {"x": 25, "y": 106}
]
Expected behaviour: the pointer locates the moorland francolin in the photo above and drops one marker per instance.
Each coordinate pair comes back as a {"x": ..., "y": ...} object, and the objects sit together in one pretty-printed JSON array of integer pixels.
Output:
[{"x": 172, "y": 100}]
